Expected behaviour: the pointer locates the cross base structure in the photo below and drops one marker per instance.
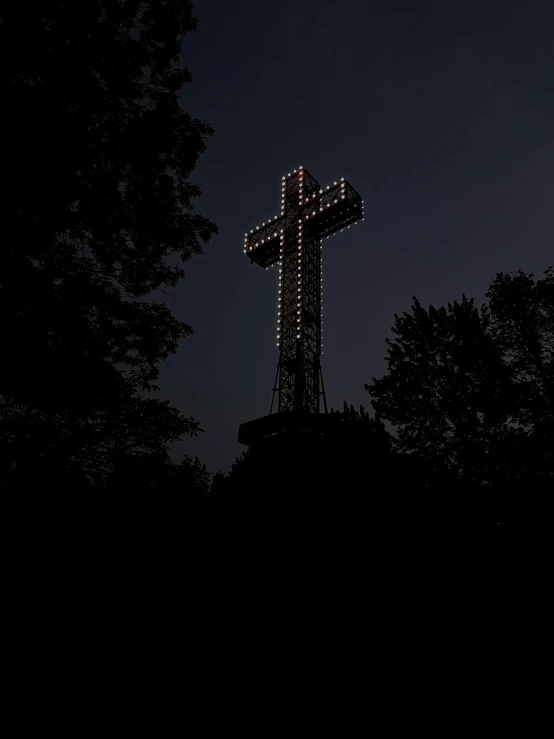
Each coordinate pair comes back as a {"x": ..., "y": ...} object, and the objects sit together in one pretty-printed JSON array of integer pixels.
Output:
[{"x": 288, "y": 423}]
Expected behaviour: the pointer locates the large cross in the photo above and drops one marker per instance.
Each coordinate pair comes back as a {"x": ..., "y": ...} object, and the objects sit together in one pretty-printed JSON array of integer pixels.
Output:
[{"x": 294, "y": 242}]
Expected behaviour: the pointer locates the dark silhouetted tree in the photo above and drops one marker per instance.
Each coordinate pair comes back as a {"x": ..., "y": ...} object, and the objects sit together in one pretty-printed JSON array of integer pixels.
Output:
[
  {"x": 321, "y": 485},
  {"x": 522, "y": 326},
  {"x": 447, "y": 391},
  {"x": 357, "y": 426},
  {"x": 461, "y": 385},
  {"x": 99, "y": 212}
]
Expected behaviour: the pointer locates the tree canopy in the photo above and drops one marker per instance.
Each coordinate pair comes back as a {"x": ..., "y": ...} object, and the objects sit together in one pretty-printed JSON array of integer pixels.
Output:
[
  {"x": 471, "y": 391},
  {"x": 100, "y": 212}
]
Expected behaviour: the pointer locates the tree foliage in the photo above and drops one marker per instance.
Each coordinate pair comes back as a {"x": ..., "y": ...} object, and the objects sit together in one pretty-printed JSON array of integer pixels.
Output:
[
  {"x": 100, "y": 214},
  {"x": 317, "y": 480},
  {"x": 522, "y": 327},
  {"x": 470, "y": 391},
  {"x": 351, "y": 424}
]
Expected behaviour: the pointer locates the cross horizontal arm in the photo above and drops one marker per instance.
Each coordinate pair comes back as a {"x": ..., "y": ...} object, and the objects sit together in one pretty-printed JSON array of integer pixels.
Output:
[
  {"x": 262, "y": 243},
  {"x": 332, "y": 209}
]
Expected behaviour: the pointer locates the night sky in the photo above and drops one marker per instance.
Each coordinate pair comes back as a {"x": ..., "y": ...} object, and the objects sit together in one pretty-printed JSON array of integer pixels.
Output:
[{"x": 441, "y": 114}]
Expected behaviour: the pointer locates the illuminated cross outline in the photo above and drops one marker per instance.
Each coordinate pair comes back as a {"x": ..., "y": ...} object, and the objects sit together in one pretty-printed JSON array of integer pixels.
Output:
[{"x": 294, "y": 242}]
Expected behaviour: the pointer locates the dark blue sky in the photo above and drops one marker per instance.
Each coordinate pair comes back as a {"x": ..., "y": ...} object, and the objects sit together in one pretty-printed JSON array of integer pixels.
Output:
[{"x": 441, "y": 117}]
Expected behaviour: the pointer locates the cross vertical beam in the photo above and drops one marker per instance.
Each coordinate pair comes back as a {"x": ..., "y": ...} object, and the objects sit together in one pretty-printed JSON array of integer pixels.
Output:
[{"x": 299, "y": 322}]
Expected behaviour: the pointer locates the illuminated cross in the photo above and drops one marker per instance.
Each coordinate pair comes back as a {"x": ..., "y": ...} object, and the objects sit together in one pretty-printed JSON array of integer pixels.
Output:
[{"x": 294, "y": 242}]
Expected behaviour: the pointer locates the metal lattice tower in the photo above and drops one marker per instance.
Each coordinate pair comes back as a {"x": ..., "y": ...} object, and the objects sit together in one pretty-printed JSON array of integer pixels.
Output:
[{"x": 294, "y": 242}]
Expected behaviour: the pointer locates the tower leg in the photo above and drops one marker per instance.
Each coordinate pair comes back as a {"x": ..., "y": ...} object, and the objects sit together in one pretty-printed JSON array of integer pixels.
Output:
[
  {"x": 322, "y": 387},
  {"x": 275, "y": 386}
]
